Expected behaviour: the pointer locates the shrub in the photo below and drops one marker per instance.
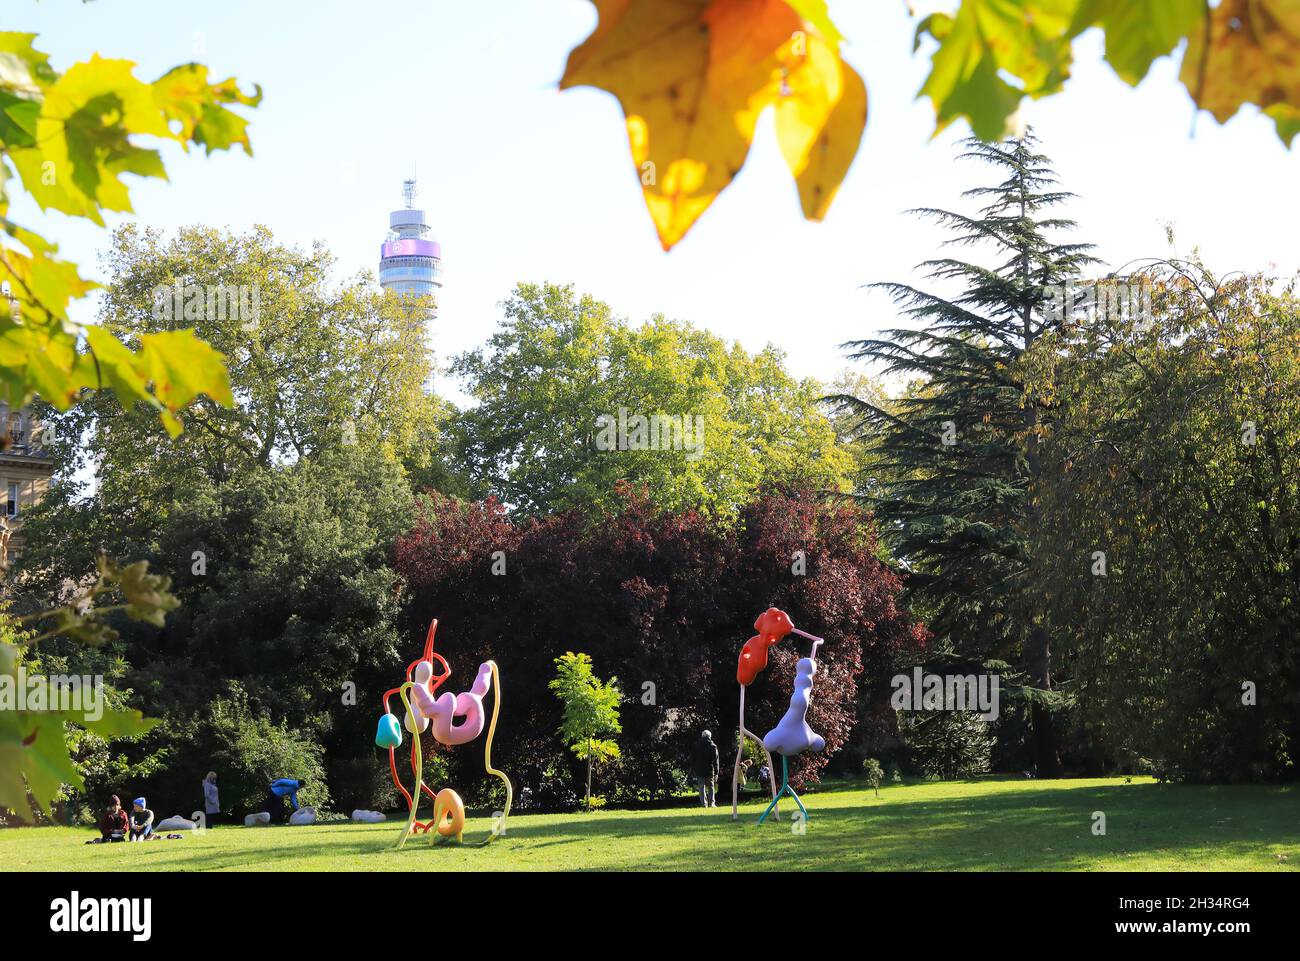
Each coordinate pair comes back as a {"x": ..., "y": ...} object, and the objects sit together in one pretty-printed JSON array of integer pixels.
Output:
[
  {"x": 874, "y": 772},
  {"x": 253, "y": 751}
]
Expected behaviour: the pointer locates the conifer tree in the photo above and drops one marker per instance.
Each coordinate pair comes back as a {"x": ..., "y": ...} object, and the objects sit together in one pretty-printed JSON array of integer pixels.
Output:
[{"x": 958, "y": 455}]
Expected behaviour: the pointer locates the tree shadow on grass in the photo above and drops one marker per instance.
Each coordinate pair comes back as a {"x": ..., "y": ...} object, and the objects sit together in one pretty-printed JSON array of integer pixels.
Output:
[
  {"x": 1017, "y": 828},
  {"x": 1037, "y": 828}
]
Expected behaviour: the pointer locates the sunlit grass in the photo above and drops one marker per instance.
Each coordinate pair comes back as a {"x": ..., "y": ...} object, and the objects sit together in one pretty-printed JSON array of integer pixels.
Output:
[{"x": 959, "y": 826}]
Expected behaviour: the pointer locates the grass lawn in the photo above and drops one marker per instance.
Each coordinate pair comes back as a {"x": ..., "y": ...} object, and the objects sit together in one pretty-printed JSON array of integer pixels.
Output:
[{"x": 959, "y": 826}]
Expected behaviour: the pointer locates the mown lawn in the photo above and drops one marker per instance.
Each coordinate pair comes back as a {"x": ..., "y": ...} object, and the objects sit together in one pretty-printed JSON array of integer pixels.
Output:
[{"x": 961, "y": 826}]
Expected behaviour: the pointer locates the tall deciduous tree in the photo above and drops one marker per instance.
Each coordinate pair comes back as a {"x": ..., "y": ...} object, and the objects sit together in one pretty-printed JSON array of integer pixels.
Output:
[
  {"x": 1174, "y": 518},
  {"x": 314, "y": 368},
  {"x": 959, "y": 454},
  {"x": 590, "y": 711},
  {"x": 274, "y": 518},
  {"x": 289, "y": 606},
  {"x": 665, "y": 600},
  {"x": 568, "y": 395},
  {"x": 312, "y": 363}
]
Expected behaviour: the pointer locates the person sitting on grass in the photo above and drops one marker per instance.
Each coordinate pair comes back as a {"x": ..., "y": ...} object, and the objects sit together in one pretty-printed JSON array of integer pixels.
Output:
[
  {"x": 280, "y": 789},
  {"x": 141, "y": 820},
  {"x": 113, "y": 825}
]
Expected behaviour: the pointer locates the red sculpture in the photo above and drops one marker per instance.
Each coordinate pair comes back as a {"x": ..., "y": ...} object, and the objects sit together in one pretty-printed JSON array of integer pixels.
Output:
[{"x": 772, "y": 625}]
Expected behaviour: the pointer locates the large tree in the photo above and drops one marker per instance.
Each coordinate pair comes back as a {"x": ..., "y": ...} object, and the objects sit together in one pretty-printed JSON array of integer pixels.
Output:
[
  {"x": 274, "y": 518},
  {"x": 1174, "y": 520},
  {"x": 310, "y": 360},
  {"x": 314, "y": 367},
  {"x": 562, "y": 370},
  {"x": 959, "y": 454},
  {"x": 665, "y": 600}
]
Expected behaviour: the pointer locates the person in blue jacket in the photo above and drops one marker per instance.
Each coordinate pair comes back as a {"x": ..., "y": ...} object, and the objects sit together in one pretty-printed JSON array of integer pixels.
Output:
[{"x": 281, "y": 788}]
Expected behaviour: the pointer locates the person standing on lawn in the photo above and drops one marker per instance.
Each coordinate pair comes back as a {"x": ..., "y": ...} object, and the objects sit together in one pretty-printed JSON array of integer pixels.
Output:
[
  {"x": 704, "y": 768},
  {"x": 211, "y": 801}
]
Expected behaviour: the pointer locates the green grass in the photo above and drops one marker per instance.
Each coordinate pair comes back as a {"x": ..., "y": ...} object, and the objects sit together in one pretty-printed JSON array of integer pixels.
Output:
[{"x": 960, "y": 826}]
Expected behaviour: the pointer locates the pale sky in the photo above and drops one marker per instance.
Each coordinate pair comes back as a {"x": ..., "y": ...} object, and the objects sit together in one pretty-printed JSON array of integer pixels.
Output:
[{"x": 523, "y": 182}]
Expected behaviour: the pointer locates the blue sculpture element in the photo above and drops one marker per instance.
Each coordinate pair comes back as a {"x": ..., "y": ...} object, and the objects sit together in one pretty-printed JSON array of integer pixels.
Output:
[
  {"x": 389, "y": 733},
  {"x": 792, "y": 735}
]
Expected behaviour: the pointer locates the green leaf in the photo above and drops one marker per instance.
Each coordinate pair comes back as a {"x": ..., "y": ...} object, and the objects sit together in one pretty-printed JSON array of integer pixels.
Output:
[
  {"x": 185, "y": 97},
  {"x": 118, "y": 367},
  {"x": 83, "y": 143},
  {"x": 113, "y": 724},
  {"x": 987, "y": 42},
  {"x": 44, "y": 759},
  {"x": 17, "y": 120},
  {"x": 71, "y": 139},
  {"x": 34, "y": 752},
  {"x": 1138, "y": 31},
  {"x": 170, "y": 370}
]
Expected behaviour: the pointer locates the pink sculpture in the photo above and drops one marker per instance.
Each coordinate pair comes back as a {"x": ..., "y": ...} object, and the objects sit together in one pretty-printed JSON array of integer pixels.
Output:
[{"x": 446, "y": 707}]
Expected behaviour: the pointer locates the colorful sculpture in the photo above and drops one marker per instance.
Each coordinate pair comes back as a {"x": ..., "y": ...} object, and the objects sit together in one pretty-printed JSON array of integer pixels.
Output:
[
  {"x": 792, "y": 735},
  {"x": 772, "y": 625},
  {"x": 425, "y": 708}
]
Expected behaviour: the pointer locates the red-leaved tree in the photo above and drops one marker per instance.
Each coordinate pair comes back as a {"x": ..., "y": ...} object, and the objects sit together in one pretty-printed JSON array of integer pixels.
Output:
[{"x": 664, "y": 601}]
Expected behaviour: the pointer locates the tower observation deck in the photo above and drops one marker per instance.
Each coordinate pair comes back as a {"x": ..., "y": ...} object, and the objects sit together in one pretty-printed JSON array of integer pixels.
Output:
[{"x": 410, "y": 264}]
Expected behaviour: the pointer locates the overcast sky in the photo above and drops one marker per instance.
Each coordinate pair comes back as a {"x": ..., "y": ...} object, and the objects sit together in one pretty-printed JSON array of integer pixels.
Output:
[{"x": 523, "y": 182}]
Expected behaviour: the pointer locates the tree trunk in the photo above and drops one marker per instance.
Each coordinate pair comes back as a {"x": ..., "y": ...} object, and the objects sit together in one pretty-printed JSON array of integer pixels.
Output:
[
  {"x": 588, "y": 775},
  {"x": 1046, "y": 751}
]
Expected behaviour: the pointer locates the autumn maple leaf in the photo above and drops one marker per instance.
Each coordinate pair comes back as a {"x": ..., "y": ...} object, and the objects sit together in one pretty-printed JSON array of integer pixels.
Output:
[{"x": 693, "y": 77}]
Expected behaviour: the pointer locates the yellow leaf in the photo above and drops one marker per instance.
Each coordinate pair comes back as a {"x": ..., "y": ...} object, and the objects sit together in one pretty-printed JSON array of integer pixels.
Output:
[
  {"x": 181, "y": 367},
  {"x": 819, "y": 125},
  {"x": 83, "y": 144},
  {"x": 693, "y": 76}
]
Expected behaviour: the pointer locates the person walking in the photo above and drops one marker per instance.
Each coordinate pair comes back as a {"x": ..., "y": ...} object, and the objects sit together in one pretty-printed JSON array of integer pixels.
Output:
[
  {"x": 211, "y": 800},
  {"x": 704, "y": 769}
]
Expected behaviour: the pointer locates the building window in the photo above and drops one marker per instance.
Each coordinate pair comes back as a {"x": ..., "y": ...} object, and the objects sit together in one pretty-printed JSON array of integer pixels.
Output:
[{"x": 11, "y": 505}]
